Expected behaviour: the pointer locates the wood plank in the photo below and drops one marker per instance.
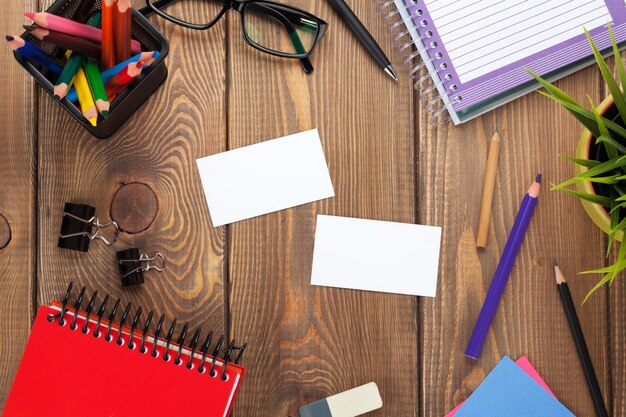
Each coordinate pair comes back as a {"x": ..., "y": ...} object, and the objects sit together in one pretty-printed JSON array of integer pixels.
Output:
[
  {"x": 309, "y": 342},
  {"x": 18, "y": 230},
  {"x": 617, "y": 348},
  {"x": 616, "y": 404},
  {"x": 530, "y": 319},
  {"x": 164, "y": 209}
]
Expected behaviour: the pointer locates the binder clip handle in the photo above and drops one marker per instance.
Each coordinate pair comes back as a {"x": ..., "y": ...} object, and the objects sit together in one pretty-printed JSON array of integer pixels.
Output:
[
  {"x": 132, "y": 265},
  {"x": 77, "y": 228}
]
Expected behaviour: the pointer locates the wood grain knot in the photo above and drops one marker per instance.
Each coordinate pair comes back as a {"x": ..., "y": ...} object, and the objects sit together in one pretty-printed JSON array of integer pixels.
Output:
[
  {"x": 5, "y": 232},
  {"x": 134, "y": 207}
]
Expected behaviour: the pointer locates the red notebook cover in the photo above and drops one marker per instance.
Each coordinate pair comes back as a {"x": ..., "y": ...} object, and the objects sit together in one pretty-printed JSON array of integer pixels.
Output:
[{"x": 67, "y": 373}]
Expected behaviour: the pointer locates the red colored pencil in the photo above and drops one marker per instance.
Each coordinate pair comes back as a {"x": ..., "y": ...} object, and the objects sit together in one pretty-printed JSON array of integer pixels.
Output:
[
  {"x": 123, "y": 23},
  {"x": 120, "y": 80},
  {"x": 108, "y": 33},
  {"x": 60, "y": 24},
  {"x": 78, "y": 45}
]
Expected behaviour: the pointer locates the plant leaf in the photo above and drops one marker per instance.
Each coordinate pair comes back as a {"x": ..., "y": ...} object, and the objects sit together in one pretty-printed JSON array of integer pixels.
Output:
[
  {"x": 612, "y": 272},
  {"x": 604, "y": 132},
  {"x": 608, "y": 140},
  {"x": 552, "y": 89},
  {"x": 589, "y": 163},
  {"x": 620, "y": 103},
  {"x": 586, "y": 117},
  {"x": 618, "y": 59},
  {"x": 594, "y": 198},
  {"x": 604, "y": 167},
  {"x": 614, "y": 222}
]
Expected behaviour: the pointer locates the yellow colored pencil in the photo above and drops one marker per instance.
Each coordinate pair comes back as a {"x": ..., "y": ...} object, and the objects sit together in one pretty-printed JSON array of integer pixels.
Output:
[{"x": 87, "y": 105}]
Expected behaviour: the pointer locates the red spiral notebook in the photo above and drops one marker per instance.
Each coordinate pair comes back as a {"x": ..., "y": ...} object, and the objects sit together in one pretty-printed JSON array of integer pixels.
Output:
[{"x": 67, "y": 372}]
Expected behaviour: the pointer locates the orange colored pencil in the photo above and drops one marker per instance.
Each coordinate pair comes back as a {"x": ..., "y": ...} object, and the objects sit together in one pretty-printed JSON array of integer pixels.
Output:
[
  {"x": 120, "y": 80},
  {"x": 123, "y": 22},
  {"x": 108, "y": 33}
]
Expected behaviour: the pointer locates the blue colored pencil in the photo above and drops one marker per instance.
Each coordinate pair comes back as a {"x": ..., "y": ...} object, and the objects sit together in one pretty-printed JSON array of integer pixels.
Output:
[
  {"x": 32, "y": 53},
  {"x": 147, "y": 57},
  {"x": 501, "y": 276}
]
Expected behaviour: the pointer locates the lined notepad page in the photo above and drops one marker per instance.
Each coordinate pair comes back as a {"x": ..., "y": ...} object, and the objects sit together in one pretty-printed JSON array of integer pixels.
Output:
[{"x": 484, "y": 35}]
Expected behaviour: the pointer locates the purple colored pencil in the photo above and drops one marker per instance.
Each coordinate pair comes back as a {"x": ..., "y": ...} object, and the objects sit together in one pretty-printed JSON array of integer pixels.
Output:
[{"x": 501, "y": 276}]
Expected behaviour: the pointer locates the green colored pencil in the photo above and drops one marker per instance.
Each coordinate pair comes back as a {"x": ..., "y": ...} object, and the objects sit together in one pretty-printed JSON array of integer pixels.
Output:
[
  {"x": 64, "y": 81},
  {"x": 92, "y": 71},
  {"x": 97, "y": 87}
]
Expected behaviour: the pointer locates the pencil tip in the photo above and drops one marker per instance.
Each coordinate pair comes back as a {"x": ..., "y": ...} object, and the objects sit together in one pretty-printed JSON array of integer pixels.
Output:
[
  {"x": 57, "y": 97},
  {"x": 538, "y": 178},
  {"x": 9, "y": 37},
  {"x": 93, "y": 121},
  {"x": 30, "y": 15},
  {"x": 555, "y": 263},
  {"x": 105, "y": 114}
]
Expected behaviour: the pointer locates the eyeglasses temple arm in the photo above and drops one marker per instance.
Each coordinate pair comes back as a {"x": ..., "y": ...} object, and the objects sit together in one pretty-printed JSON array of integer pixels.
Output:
[{"x": 307, "y": 66}]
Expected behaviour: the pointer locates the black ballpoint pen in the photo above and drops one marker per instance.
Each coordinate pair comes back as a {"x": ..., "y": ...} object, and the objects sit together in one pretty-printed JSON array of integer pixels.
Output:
[{"x": 363, "y": 36}]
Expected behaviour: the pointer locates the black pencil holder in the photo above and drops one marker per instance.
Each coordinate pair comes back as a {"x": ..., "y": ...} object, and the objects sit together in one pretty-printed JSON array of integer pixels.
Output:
[{"x": 127, "y": 101}]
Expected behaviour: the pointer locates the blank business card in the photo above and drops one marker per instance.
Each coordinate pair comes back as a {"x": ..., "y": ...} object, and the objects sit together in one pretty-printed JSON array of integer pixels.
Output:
[
  {"x": 266, "y": 177},
  {"x": 376, "y": 255}
]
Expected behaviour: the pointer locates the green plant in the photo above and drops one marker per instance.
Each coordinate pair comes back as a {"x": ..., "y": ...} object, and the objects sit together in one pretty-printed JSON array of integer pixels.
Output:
[{"x": 609, "y": 173}]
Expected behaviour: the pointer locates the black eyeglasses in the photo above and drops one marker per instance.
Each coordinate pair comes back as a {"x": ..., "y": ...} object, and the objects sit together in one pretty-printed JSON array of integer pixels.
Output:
[{"x": 273, "y": 28}]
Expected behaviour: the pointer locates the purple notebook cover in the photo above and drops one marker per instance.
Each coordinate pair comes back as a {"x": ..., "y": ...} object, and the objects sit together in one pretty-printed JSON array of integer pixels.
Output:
[{"x": 489, "y": 85}]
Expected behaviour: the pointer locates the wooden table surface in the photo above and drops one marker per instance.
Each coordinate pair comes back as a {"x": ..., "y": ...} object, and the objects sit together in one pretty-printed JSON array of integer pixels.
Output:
[{"x": 251, "y": 279}]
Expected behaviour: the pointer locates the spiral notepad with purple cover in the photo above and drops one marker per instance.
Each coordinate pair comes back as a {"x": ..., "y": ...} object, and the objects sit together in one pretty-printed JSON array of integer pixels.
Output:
[
  {"x": 66, "y": 371},
  {"x": 477, "y": 52}
]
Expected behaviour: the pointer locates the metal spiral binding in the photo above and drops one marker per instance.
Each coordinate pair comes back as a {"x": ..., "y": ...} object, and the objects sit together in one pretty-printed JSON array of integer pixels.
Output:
[
  {"x": 413, "y": 59},
  {"x": 226, "y": 353}
]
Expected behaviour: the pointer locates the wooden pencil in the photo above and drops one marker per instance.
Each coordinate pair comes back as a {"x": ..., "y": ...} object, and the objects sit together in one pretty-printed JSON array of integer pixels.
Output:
[
  {"x": 121, "y": 80},
  {"x": 32, "y": 53},
  {"x": 63, "y": 83},
  {"x": 147, "y": 58},
  {"x": 97, "y": 87},
  {"x": 87, "y": 105},
  {"x": 92, "y": 72},
  {"x": 78, "y": 45},
  {"x": 501, "y": 276},
  {"x": 61, "y": 24},
  {"x": 108, "y": 33},
  {"x": 123, "y": 23},
  {"x": 484, "y": 217},
  {"x": 579, "y": 341}
]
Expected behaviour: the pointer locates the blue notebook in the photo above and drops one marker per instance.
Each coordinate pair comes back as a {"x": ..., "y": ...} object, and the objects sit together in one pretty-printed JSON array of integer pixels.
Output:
[{"x": 509, "y": 391}]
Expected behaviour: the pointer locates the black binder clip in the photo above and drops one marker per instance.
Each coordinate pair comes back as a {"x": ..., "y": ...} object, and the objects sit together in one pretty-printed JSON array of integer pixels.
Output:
[
  {"x": 77, "y": 228},
  {"x": 133, "y": 265}
]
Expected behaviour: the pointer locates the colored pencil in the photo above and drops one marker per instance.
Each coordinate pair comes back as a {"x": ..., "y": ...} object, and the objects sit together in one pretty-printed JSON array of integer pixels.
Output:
[
  {"x": 108, "y": 33},
  {"x": 123, "y": 23},
  {"x": 120, "y": 80},
  {"x": 92, "y": 72},
  {"x": 78, "y": 45},
  {"x": 60, "y": 24},
  {"x": 501, "y": 276},
  {"x": 32, "y": 53},
  {"x": 87, "y": 105},
  {"x": 579, "y": 341},
  {"x": 146, "y": 57},
  {"x": 97, "y": 87},
  {"x": 484, "y": 217},
  {"x": 62, "y": 85}
]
